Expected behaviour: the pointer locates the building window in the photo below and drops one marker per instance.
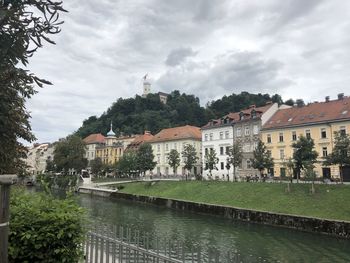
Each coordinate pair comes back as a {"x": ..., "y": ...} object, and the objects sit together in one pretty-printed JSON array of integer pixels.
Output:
[
  {"x": 227, "y": 134},
  {"x": 283, "y": 172},
  {"x": 281, "y": 137},
  {"x": 281, "y": 154},
  {"x": 255, "y": 129},
  {"x": 294, "y": 135},
  {"x": 175, "y": 145},
  {"x": 239, "y": 132},
  {"x": 227, "y": 149},
  {"x": 342, "y": 130},
  {"x": 269, "y": 152},
  {"x": 206, "y": 151},
  {"x": 166, "y": 147},
  {"x": 221, "y": 135},
  {"x": 324, "y": 151},
  {"x": 211, "y": 150},
  {"x": 246, "y": 130},
  {"x": 205, "y": 137},
  {"x": 222, "y": 165},
  {"x": 308, "y": 134},
  {"x": 246, "y": 147},
  {"x": 249, "y": 164},
  {"x": 269, "y": 138},
  {"x": 323, "y": 133},
  {"x": 158, "y": 147},
  {"x": 221, "y": 150},
  {"x": 211, "y": 136}
]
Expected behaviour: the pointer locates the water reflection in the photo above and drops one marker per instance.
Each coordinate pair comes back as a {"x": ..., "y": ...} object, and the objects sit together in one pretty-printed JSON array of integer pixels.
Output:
[{"x": 254, "y": 243}]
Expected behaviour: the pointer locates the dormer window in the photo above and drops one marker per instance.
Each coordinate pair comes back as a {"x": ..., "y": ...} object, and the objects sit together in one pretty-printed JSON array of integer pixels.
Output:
[
  {"x": 253, "y": 114},
  {"x": 241, "y": 116}
]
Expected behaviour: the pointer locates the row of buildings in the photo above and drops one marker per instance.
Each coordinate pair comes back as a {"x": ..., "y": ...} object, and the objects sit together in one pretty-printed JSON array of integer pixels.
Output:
[{"x": 278, "y": 126}]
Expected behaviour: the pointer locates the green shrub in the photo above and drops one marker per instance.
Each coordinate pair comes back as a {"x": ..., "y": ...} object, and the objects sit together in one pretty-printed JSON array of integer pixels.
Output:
[{"x": 44, "y": 229}]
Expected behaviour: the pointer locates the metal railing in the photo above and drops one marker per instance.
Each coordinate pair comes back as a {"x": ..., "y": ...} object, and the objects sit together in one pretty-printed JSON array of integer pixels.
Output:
[{"x": 124, "y": 245}]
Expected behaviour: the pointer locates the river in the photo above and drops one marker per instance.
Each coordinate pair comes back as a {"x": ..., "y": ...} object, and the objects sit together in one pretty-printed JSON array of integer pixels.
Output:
[{"x": 253, "y": 242}]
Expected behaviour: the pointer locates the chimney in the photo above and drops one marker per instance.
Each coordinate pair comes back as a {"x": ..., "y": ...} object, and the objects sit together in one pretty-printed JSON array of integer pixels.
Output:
[
  {"x": 147, "y": 132},
  {"x": 340, "y": 96},
  {"x": 327, "y": 98}
]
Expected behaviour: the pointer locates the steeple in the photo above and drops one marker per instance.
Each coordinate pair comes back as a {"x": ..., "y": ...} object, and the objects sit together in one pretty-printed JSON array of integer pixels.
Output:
[
  {"x": 111, "y": 133},
  {"x": 146, "y": 86}
]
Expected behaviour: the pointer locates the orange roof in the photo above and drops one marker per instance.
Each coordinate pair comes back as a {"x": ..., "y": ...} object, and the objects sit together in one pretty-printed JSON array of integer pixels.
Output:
[
  {"x": 94, "y": 138},
  {"x": 178, "y": 133},
  {"x": 234, "y": 117},
  {"x": 318, "y": 112}
]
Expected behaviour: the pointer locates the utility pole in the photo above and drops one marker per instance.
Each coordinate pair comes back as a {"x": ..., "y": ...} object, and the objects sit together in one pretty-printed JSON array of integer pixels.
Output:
[{"x": 6, "y": 181}]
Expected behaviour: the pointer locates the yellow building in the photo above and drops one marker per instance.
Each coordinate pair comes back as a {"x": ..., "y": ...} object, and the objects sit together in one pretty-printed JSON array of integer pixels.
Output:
[
  {"x": 317, "y": 120},
  {"x": 113, "y": 147}
]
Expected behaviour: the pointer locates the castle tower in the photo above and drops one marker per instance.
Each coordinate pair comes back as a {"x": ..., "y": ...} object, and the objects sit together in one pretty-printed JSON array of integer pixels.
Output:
[{"x": 146, "y": 86}]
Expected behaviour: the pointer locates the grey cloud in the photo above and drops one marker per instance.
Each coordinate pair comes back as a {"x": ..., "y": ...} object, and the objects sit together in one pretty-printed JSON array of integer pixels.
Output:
[{"x": 177, "y": 56}]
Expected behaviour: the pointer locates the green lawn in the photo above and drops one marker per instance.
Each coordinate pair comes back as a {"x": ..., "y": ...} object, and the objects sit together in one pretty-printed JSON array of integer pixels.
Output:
[{"x": 329, "y": 201}]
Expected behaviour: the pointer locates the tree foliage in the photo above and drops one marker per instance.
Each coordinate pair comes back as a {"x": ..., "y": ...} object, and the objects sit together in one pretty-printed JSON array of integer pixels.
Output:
[
  {"x": 235, "y": 156},
  {"x": 210, "y": 161},
  {"x": 45, "y": 229},
  {"x": 174, "y": 160},
  {"x": 96, "y": 166},
  {"x": 341, "y": 152},
  {"x": 261, "y": 158},
  {"x": 128, "y": 164},
  {"x": 145, "y": 158},
  {"x": 69, "y": 154},
  {"x": 24, "y": 27},
  {"x": 190, "y": 157},
  {"x": 304, "y": 154}
]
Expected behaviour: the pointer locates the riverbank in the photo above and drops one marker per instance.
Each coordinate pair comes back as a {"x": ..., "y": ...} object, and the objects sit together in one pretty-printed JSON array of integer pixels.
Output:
[{"x": 329, "y": 201}]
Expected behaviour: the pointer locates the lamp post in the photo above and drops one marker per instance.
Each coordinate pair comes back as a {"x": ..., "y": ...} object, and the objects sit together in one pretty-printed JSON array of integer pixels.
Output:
[{"x": 6, "y": 181}]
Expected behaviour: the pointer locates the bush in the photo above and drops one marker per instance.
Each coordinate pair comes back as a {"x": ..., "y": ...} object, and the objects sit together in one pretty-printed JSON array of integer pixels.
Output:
[{"x": 44, "y": 229}]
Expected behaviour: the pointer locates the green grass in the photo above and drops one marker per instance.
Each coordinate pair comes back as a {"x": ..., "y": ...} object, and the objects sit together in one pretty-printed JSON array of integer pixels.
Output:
[{"x": 329, "y": 201}]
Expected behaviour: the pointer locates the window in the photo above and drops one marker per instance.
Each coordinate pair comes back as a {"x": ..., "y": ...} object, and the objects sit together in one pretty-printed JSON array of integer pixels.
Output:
[
  {"x": 246, "y": 147},
  {"x": 221, "y": 150},
  {"x": 342, "y": 130},
  {"x": 324, "y": 151},
  {"x": 222, "y": 165},
  {"x": 255, "y": 129},
  {"x": 211, "y": 150},
  {"x": 249, "y": 164},
  {"x": 281, "y": 137},
  {"x": 283, "y": 172},
  {"x": 281, "y": 154},
  {"x": 227, "y": 149},
  {"x": 175, "y": 145},
  {"x": 166, "y": 147},
  {"x": 205, "y": 137},
  {"x": 221, "y": 135},
  {"x": 323, "y": 133},
  {"x": 158, "y": 147},
  {"x": 211, "y": 136},
  {"x": 206, "y": 151},
  {"x": 269, "y": 152},
  {"x": 227, "y": 134},
  {"x": 269, "y": 138},
  {"x": 294, "y": 135},
  {"x": 238, "y": 132},
  {"x": 246, "y": 130},
  {"x": 308, "y": 134}
]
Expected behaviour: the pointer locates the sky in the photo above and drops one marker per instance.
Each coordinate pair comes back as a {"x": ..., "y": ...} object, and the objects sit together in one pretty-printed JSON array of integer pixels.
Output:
[{"x": 209, "y": 48}]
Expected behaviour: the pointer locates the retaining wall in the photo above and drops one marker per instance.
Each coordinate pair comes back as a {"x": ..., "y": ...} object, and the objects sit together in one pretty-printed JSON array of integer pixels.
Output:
[{"x": 324, "y": 226}]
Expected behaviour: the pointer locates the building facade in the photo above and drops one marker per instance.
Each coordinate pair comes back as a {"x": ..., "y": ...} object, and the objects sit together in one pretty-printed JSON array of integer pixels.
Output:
[
  {"x": 175, "y": 138},
  {"x": 37, "y": 157},
  {"x": 239, "y": 127},
  {"x": 92, "y": 141},
  {"x": 318, "y": 121}
]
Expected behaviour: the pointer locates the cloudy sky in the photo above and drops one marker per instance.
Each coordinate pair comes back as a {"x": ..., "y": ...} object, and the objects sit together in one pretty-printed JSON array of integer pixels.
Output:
[{"x": 297, "y": 48}]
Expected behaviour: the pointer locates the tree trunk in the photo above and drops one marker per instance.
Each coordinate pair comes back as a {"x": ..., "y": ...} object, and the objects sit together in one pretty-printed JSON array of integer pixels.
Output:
[
  {"x": 312, "y": 187},
  {"x": 341, "y": 173},
  {"x": 234, "y": 174}
]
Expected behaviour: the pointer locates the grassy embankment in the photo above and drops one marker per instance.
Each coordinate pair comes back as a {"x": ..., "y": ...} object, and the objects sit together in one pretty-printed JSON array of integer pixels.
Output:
[{"x": 329, "y": 201}]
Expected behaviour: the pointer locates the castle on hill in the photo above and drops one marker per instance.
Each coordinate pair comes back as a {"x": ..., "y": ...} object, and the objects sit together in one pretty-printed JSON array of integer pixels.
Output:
[{"x": 163, "y": 97}]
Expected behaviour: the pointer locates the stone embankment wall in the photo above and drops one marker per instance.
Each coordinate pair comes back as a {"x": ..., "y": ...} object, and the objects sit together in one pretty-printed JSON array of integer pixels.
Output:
[{"x": 330, "y": 227}]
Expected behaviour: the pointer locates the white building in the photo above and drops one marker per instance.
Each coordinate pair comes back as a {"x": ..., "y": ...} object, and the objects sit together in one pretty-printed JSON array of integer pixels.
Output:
[
  {"x": 92, "y": 141},
  {"x": 175, "y": 138},
  {"x": 243, "y": 127},
  {"x": 37, "y": 156}
]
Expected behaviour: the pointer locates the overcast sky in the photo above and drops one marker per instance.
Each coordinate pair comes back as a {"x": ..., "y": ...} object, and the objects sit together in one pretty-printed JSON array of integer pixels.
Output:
[{"x": 297, "y": 48}]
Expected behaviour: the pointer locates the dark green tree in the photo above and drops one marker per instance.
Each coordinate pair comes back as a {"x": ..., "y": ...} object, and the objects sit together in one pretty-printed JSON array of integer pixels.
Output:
[
  {"x": 24, "y": 27},
  {"x": 69, "y": 154},
  {"x": 235, "y": 156},
  {"x": 128, "y": 164},
  {"x": 341, "y": 152},
  {"x": 304, "y": 153},
  {"x": 174, "y": 160},
  {"x": 50, "y": 166},
  {"x": 211, "y": 160},
  {"x": 145, "y": 158},
  {"x": 261, "y": 158},
  {"x": 96, "y": 166},
  {"x": 190, "y": 157}
]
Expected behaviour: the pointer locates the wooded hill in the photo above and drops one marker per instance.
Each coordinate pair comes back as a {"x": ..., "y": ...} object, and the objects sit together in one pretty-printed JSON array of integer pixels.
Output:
[{"x": 135, "y": 115}]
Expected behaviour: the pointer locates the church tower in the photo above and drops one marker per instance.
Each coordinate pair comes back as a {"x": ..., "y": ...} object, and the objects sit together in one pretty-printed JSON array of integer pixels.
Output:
[{"x": 146, "y": 86}]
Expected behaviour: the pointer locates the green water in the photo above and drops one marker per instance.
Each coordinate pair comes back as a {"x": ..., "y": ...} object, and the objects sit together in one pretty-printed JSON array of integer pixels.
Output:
[{"x": 253, "y": 242}]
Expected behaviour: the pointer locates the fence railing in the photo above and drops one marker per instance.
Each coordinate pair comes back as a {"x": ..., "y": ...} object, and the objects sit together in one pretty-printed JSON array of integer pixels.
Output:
[{"x": 123, "y": 244}]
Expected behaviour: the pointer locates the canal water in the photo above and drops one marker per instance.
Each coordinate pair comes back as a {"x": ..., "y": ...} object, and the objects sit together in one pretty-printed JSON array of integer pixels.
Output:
[{"x": 253, "y": 242}]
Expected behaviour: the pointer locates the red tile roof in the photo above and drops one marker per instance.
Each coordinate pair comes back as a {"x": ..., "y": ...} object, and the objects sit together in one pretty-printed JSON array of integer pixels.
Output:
[
  {"x": 234, "y": 117},
  {"x": 318, "y": 112},
  {"x": 178, "y": 133},
  {"x": 94, "y": 138},
  {"x": 140, "y": 139}
]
